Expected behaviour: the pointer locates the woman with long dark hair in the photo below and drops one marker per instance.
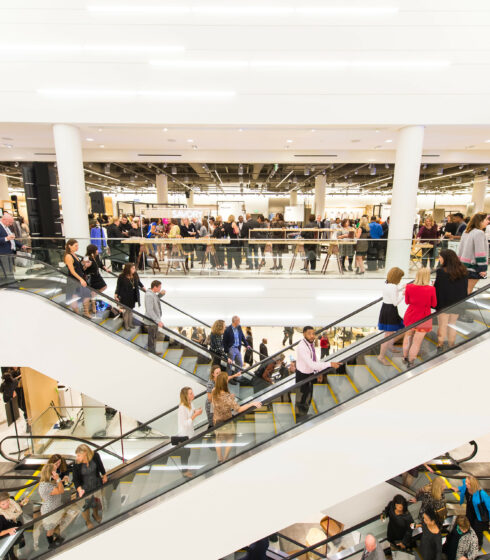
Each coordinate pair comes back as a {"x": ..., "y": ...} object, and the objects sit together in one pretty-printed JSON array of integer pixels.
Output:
[
  {"x": 94, "y": 278},
  {"x": 76, "y": 283},
  {"x": 451, "y": 286},
  {"x": 127, "y": 292}
]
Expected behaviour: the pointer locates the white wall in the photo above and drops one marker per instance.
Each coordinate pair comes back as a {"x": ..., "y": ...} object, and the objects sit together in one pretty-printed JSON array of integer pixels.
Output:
[
  {"x": 41, "y": 335},
  {"x": 334, "y": 460}
]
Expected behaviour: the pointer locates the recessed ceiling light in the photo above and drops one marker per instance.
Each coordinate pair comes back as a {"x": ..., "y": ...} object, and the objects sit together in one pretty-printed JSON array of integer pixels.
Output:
[
  {"x": 487, "y": 141},
  {"x": 89, "y": 139},
  {"x": 388, "y": 141},
  {"x": 190, "y": 140},
  {"x": 165, "y": 130},
  {"x": 99, "y": 129},
  {"x": 240, "y": 130},
  {"x": 101, "y": 146},
  {"x": 289, "y": 141},
  {"x": 313, "y": 130},
  {"x": 377, "y": 130}
]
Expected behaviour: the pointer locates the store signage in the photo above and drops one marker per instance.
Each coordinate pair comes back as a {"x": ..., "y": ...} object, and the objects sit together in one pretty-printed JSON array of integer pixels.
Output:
[{"x": 177, "y": 213}]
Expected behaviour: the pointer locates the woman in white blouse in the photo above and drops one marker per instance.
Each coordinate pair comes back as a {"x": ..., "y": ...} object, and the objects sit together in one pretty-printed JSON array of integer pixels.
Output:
[
  {"x": 186, "y": 415},
  {"x": 389, "y": 318}
]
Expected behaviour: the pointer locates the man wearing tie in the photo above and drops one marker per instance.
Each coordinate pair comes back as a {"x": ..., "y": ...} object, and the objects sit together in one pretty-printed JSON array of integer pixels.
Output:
[
  {"x": 8, "y": 247},
  {"x": 307, "y": 364}
]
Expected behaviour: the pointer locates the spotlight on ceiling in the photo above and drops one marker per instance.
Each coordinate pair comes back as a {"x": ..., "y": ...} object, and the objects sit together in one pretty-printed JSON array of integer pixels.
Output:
[
  {"x": 461, "y": 166},
  {"x": 240, "y": 169},
  {"x": 173, "y": 170},
  {"x": 387, "y": 165},
  {"x": 424, "y": 166},
  {"x": 372, "y": 170},
  {"x": 440, "y": 171},
  {"x": 107, "y": 168},
  {"x": 307, "y": 171}
]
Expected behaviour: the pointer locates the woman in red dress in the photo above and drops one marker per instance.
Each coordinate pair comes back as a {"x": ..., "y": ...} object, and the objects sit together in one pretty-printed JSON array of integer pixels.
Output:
[{"x": 420, "y": 297}]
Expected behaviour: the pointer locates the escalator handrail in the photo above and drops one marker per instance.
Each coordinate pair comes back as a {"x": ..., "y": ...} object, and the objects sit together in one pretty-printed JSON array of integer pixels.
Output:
[
  {"x": 466, "y": 459},
  {"x": 55, "y": 437},
  {"x": 134, "y": 466}
]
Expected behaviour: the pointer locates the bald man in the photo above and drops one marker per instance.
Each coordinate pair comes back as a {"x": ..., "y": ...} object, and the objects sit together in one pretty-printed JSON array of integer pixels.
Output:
[{"x": 372, "y": 549}]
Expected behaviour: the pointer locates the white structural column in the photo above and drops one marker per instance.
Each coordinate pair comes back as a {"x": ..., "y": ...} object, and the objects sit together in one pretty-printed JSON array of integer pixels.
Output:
[
  {"x": 404, "y": 197},
  {"x": 479, "y": 192},
  {"x": 162, "y": 188},
  {"x": 69, "y": 158},
  {"x": 4, "y": 188},
  {"x": 320, "y": 184},
  {"x": 293, "y": 198}
]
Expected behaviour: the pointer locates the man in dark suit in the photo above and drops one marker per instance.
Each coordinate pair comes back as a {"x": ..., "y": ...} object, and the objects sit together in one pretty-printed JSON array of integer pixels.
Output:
[
  {"x": 8, "y": 247},
  {"x": 252, "y": 250},
  {"x": 233, "y": 338}
]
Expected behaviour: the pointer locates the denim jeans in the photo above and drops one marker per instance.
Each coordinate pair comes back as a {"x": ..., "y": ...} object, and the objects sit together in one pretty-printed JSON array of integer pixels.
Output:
[{"x": 236, "y": 357}]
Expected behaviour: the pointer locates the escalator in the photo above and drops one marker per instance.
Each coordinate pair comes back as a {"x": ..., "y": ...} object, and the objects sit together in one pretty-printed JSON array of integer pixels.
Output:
[
  {"x": 363, "y": 427},
  {"x": 115, "y": 368}
]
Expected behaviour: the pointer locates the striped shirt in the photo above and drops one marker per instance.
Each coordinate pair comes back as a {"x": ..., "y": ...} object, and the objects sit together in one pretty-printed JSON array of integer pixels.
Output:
[{"x": 473, "y": 251}]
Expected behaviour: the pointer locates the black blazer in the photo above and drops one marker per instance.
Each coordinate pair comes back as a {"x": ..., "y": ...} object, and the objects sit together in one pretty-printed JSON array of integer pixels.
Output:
[
  {"x": 77, "y": 470},
  {"x": 125, "y": 291},
  {"x": 5, "y": 245},
  {"x": 229, "y": 338}
]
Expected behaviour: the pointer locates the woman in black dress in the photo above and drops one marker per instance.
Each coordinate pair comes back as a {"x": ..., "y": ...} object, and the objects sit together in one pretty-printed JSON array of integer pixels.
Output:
[
  {"x": 128, "y": 293},
  {"x": 219, "y": 233},
  {"x": 451, "y": 286},
  {"x": 76, "y": 283},
  {"x": 89, "y": 475},
  {"x": 94, "y": 277}
]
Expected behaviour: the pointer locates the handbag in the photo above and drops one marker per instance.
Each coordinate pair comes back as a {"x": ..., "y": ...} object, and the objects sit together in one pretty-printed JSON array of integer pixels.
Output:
[
  {"x": 483, "y": 511},
  {"x": 176, "y": 440}
]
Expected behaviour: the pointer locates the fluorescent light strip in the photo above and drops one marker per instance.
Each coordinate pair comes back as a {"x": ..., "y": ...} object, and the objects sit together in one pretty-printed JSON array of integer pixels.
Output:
[
  {"x": 101, "y": 175},
  {"x": 11, "y": 176},
  {"x": 83, "y": 49},
  {"x": 299, "y": 64},
  {"x": 439, "y": 177},
  {"x": 377, "y": 181},
  {"x": 133, "y": 93},
  {"x": 244, "y": 10}
]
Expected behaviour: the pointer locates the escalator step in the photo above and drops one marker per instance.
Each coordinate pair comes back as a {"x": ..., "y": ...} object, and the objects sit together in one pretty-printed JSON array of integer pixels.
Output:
[
  {"x": 381, "y": 371},
  {"x": 189, "y": 363},
  {"x": 323, "y": 398},
  {"x": 173, "y": 355},
  {"x": 203, "y": 371},
  {"x": 341, "y": 387},
  {"x": 362, "y": 377}
]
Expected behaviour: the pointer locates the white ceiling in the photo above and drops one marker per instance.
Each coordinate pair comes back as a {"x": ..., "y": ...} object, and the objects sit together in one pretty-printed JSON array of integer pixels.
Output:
[
  {"x": 228, "y": 144},
  {"x": 267, "y": 61}
]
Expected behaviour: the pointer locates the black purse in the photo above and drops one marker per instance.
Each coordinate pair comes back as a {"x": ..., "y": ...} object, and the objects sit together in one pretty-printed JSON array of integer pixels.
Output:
[
  {"x": 483, "y": 511},
  {"x": 176, "y": 440}
]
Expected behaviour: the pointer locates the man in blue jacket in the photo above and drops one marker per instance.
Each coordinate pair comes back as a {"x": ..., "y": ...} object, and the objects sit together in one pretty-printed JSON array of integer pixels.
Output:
[
  {"x": 8, "y": 247},
  {"x": 233, "y": 338}
]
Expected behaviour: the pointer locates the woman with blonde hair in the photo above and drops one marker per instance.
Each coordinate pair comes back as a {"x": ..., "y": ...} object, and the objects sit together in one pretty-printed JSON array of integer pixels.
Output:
[
  {"x": 389, "y": 319},
  {"x": 186, "y": 416},
  {"x": 51, "y": 491},
  {"x": 420, "y": 297},
  {"x": 224, "y": 404},
  {"x": 432, "y": 498},
  {"x": 477, "y": 505},
  {"x": 362, "y": 246},
  {"x": 473, "y": 249},
  {"x": 89, "y": 475}
]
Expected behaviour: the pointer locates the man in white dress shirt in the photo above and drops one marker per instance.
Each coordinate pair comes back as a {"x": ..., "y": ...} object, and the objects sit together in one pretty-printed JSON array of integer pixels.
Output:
[{"x": 307, "y": 364}]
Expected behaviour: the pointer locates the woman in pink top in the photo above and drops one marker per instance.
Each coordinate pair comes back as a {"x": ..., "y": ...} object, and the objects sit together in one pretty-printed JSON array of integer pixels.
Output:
[{"x": 420, "y": 297}]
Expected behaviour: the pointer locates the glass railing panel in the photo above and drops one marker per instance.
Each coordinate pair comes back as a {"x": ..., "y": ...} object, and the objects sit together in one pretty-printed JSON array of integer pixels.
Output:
[{"x": 328, "y": 253}]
